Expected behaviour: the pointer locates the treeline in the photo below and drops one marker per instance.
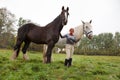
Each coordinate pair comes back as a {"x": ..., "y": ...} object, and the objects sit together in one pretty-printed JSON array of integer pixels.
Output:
[{"x": 102, "y": 44}]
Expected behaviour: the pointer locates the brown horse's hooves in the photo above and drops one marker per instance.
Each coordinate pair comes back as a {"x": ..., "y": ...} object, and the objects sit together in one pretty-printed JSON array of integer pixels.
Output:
[
  {"x": 14, "y": 56},
  {"x": 25, "y": 57},
  {"x": 46, "y": 62}
]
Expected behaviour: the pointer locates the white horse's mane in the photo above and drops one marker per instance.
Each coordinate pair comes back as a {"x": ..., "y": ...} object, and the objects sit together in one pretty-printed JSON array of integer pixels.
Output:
[{"x": 78, "y": 32}]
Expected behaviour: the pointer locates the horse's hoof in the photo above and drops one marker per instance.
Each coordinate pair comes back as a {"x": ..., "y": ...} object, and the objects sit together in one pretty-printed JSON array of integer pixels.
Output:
[
  {"x": 13, "y": 57},
  {"x": 44, "y": 59},
  {"x": 25, "y": 57},
  {"x": 48, "y": 62}
]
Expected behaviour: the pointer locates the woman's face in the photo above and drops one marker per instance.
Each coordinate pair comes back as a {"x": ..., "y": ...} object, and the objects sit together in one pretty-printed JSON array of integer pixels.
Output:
[{"x": 71, "y": 30}]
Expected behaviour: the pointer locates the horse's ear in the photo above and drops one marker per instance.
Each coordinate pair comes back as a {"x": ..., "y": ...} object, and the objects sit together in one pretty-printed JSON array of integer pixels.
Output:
[
  {"x": 90, "y": 21},
  {"x": 83, "y": 22},
  {"x": 67, "y": 8},
  {"x": 62, "y": 7}
]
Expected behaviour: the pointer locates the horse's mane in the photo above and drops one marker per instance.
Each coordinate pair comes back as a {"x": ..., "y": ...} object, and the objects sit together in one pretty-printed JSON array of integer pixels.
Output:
[
  {"x": 54, "y": 21},
  {"x": 78, "y": 31}
]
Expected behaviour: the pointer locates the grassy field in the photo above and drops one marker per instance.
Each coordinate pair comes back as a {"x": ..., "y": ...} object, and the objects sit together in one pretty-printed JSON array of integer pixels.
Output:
[{"x": 83, "y": 68}]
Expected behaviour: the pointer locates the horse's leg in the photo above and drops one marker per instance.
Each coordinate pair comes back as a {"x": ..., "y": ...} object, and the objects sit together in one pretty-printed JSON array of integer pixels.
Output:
[
  {"x": 16, "y": 49},
  {"x": 44, "y": 53},
  {"x": 24, "y": 49},
  {"x": 49, "y": 52}
]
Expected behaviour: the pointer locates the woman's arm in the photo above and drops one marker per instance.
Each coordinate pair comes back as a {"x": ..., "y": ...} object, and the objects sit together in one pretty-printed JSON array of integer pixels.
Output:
[
  {"x": 75, "y": 40},
  {"x": 62, "y": 36}
]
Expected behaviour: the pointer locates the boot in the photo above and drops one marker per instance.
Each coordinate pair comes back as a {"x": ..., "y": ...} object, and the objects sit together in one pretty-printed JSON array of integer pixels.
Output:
[
  {"x": 70, "y": 62},
  {"x": 66, "y": 62}
]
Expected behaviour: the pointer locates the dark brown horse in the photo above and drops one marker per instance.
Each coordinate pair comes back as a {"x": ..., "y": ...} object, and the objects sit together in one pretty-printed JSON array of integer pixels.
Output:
[{"x": 48, "y": 34}]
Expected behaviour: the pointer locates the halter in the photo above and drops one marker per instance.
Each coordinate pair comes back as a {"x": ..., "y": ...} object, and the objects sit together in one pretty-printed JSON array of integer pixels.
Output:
[{"x": 85, "y": 32}]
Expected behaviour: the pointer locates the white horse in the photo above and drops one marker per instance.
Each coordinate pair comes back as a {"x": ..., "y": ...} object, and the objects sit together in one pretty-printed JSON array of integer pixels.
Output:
[
  {"x": 85, "y": 28},
  {"x": 79, "y": 31}
]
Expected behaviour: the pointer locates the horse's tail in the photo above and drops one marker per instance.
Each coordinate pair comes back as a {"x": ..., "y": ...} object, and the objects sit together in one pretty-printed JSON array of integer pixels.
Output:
[
  {"x": 22, "y": 32},
  {"x": 21, "y": 36}
]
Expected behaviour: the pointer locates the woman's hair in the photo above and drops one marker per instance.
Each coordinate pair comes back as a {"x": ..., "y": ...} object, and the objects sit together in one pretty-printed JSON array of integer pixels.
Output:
[{"x": 71, "y": 30}]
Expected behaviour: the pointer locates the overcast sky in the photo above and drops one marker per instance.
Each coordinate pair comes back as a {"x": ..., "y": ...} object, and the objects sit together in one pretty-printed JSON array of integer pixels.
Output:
[{"x": 105, "y": 14}]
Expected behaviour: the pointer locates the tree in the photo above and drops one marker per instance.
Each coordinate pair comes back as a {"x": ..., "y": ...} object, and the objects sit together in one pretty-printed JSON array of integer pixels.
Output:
[
  {"x": 7, "y": 20},
  {"x": 22, "y": 21},
  {"x": 117, "y": 40},
  {"x": 117, "y": 43}
]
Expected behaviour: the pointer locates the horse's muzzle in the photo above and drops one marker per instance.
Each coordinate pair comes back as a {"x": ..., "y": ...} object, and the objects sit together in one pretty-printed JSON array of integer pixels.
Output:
[
  {"x": 90, "y": 36},
  {"x": 65, "y": 22}
]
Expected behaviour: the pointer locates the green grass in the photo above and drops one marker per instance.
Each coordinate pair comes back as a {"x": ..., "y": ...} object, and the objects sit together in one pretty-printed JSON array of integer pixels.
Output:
[{"x": 83, "y": 67}]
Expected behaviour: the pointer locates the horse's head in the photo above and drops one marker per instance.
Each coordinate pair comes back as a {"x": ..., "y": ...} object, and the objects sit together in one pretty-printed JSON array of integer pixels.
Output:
[
  {"x": 87, "y": 29},
  {"x": 64, "y": 15}
]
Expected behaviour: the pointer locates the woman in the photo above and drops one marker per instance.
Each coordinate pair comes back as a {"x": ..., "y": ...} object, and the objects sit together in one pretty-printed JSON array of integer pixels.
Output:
[{"x": 70, "y": 41}]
